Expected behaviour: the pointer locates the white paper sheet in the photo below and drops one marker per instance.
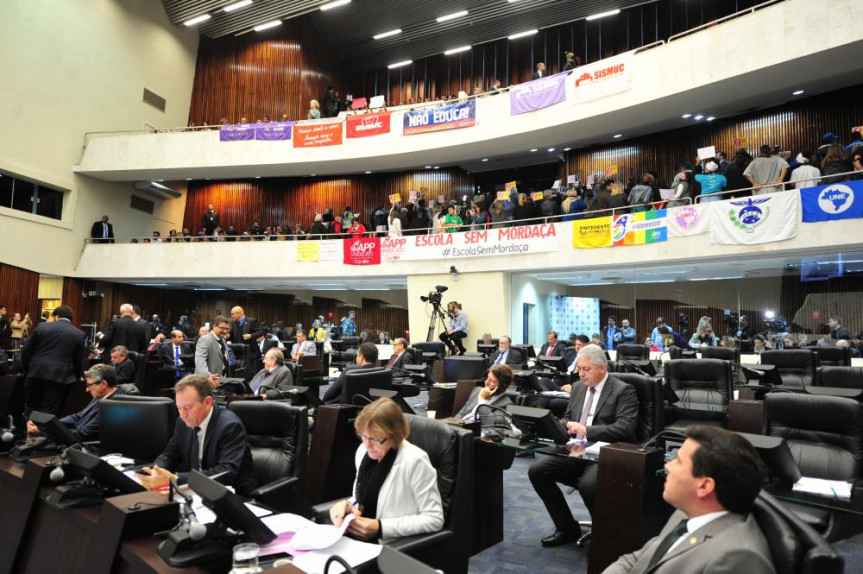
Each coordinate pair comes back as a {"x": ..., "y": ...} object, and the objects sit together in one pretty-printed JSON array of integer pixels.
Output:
[
  {"x": 286, "y": 522},
  {"x": 257, "y": 510},
  {"x": 707, "y": 152},
  {"x": 320, "y": 536},
  {"x": 831, "y": 488},
  {"x": 353, "y": 551}
]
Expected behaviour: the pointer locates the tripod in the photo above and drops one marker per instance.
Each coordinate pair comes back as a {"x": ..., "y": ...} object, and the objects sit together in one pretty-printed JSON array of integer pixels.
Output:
[{"x": 436, "y": 315}]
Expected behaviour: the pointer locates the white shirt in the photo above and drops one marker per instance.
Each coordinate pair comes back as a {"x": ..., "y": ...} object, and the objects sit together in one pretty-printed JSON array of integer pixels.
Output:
[
  {"x": 596, "y": 394},
  {"x": 202, "y": 434},
  {"x": 694, "y": 524}
]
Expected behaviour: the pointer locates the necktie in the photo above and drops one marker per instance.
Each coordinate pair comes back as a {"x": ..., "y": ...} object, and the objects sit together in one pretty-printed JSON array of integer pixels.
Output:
[
  {"x": 224, "y": 355},
  {"x": 256, "y": 384},
  {"x": 392, "y": 362},
  {"x": 550, "y": 351},
  {"x": 105, "y": 231},
  {"x": 499, "y": 359},
  {"x": 588, "y": 401},
  {"x": 667, "y": 543},
  {"x": 195, "y": 458},
  {"x": 177, "y": 360}
]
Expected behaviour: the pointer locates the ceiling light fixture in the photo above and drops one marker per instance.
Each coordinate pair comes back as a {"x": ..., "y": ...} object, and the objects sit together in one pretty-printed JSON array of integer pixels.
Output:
[
  {"x": 268, "y": 25},
  {"x": 617, "y": 136},
  {"x": 336, "y": 4},
  {"x": 797, "y": 93},
  {"x": 523, "y": 34},
  {"x": 197, "y": 20},
  {"x": 567, "y": 148},
  {"x": 400, "y": 64},
  {"x": 686, "y": 116},
  {"x": 237, "y": 5},
  {"x": 452, "y": 16},
  {"x": 711, "y": 118},
  {"x": 456, "y": 50},
  {"x": 383, "y": 35},
  {"x": 699, "y": 117},
  {"x": 603, "y": 15},
  {"x": 368, "y": 171},
  {"x": 534, "y": 149},
  {"x": 551, "y": 149},
  {"x": 485, "y": 159}
]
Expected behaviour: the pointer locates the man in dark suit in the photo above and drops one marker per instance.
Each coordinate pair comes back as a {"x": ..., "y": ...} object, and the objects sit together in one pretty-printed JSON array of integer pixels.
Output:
[
  {"x": 101, "y": 384},
  {"x": 124, "y": 367},
  {"x": 600, "y": 409},
  {"x": 169, "y": 353},
  {"x": 552, "y": 348},
  {"x": 540, "y": 71},
  {"x": 126, "y": 332},
  {"x": 400, "y": 356},
  {"x": 367, "y": 358},
  {"x": 246, "y": 330},
  {"x": 712, "y": 482},
  {"x": 274, "y": 377},
  {"x": 53, "y": 359},
  {"x": 102, "y": 231},
  {"x": 211, "y": 220},
  {"x": 210, "y": 439},
  {"x": 505, "y": 354}
]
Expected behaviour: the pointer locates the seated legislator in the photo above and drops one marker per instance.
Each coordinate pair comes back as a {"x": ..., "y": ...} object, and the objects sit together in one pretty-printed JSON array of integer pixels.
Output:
[
  {"x": 505, "y": 354},
  {"x": 399, "y": 358},
  {"x": 601, "y": 408},
  {"x": 493, "y": 393},
  {"x": 211, "y": 440},
  {"x": 553, "y": 347},
  {"x": 395, "y": 491},
  {"x": 712, "y": 482},
  {"x": 101, "y": 383},
  {"x": 124, "y": 367},
  {"x": 169, "y": 353},
  {"x": 273, "y": 377},
  {"x": 367, "y": 358},
  {"x": 564, "y": 382},
  {"x": 302, "y": 347}
]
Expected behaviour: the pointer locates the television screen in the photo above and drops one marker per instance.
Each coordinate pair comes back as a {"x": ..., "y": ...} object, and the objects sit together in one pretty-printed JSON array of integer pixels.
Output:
[{"x": 463, "y": 368}]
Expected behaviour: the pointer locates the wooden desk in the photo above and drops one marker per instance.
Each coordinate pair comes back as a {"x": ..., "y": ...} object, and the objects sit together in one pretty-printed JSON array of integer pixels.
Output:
[
  {"x": 19, "y": 487},
  {"x": 139, "y": 557}
]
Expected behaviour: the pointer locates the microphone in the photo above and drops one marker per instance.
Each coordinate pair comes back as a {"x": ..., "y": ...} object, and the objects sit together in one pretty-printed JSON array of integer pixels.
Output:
[
  {"x": 666, "y": 434},
  {"x": 57, "y": 474},
  {"x": 9, "y": 432},
  {"x": 197, "y": 531},
  {"x": 635, "y": 367}
]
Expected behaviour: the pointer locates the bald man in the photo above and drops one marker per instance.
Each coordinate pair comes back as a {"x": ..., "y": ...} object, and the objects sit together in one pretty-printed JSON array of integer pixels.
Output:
[
  {"x": 126, "y": 332},
  {"x": 246, "y": 330}
]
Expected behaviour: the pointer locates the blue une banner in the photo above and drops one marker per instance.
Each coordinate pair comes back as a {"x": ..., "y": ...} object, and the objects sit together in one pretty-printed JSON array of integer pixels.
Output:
[{"x": 842, "y": 200}]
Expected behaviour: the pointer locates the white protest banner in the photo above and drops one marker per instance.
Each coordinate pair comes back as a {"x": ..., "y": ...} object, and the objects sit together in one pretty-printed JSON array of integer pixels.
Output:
[
  {"x": 603, "y": 78},
  {"x": 752, "y": 220},
  {"x": 688, "y": 220}
]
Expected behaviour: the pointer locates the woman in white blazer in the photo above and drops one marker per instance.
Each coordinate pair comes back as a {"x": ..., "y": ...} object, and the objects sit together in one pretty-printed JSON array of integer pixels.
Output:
[{"x": 395, "y": 490}]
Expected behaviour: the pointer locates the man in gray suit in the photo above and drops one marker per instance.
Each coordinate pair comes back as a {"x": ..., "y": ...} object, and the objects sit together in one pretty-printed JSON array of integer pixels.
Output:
[
  {"x": 273, "y": 377},
  {"x": 712, "y": 483},
  {"x": 211, "y": 351},
  {"x": 600, "y": 409}
]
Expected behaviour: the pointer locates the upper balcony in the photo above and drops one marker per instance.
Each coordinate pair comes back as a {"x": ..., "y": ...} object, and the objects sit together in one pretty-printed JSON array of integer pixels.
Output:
[{"x": 752, "y": 61}]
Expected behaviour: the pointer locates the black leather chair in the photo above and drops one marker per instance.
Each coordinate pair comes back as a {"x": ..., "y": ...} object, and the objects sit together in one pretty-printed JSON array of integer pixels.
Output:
[
  {"x": 700, "y": 384},
  {"x": 675, "y": 352},
  {"x": 241, "y": 352},
  {"x": 631, "y": 352},
  {"x": 796, "y": 367},
  {"x": 831, "y": 356},
  {"x": 795, "y": 547},
  {"x": 825, "y": 435},
  {"x": 139, "y": 427},
  {"x": 140, "y": 360},
  {"x": 431, "y": 351},
  {"x": 279, "y": 437},
  {"x": 842, "y": 377},
  {"x": 296, "y": 373},
  {"x": 724, "y": 353},
  {"x": 358, "y": 382},
  {"x": 651, "y": 416}
]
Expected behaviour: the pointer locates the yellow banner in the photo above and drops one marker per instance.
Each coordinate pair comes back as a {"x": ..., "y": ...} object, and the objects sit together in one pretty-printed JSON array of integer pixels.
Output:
[
  {"x": 509, "y": 186},
  {"x": 536, "y": 196},
  {"x": 395, "y": 197},
  {"x": 611, "y": 170},
  {"x": 308, "y": 251},
  {"x": 591, "y": 233}
]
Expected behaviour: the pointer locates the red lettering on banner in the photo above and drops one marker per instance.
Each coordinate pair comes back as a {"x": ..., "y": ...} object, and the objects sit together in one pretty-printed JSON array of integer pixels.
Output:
[
  {"x": 476, "y": 237},
  {"x": 527, "y": 232},
  {"x": 368, "y": 125},
  {"x": 433, "y": 240},
  {"x": 362, "y": 251}
]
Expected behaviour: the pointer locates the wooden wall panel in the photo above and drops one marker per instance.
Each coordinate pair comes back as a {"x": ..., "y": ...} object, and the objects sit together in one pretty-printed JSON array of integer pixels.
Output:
[
  {"x": 288, "y": 201},
  {"x": 255, "y": 75},
  {"x": 19, "y": 291},
  {"x": 794, "y": 126}
]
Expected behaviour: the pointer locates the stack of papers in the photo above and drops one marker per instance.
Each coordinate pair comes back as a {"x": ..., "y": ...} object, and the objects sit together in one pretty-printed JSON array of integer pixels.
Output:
[{"x": 835, "y": 489}]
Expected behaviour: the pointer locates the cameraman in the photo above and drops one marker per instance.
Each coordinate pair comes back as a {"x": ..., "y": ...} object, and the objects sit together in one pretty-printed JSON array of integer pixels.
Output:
[{"x": 457, "y": 329}]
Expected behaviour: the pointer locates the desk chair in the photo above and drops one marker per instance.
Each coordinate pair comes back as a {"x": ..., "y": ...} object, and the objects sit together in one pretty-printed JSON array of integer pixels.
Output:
[
  {"x": 706, "y": 382},
  {"x": 842, "y": 377},
  {"x": 796, "y": 367},
  {"x": 279, "y": 438},
  {"x": 631, "y": 352},
  {"x": 831, "y": 356},
  {"x": 825, "y": 435},
  {"x": 138, "y": 427}
]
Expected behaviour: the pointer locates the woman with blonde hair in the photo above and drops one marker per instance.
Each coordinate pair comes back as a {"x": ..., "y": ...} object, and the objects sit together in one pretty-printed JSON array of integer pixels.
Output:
[
  {"x": 395, "y": 490},
  {"x": 314, "y": 110}
]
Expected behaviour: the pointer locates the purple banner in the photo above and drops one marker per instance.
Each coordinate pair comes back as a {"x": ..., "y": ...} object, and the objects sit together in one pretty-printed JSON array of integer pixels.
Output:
[
  {"x": 273, "y": 131},
  {"x": 237, "y": 132},
  {"x": 537, "y": 94}
]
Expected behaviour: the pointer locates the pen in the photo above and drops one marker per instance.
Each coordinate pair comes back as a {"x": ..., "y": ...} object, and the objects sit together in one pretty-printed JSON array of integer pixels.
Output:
[{"x": 835, "y": 496}]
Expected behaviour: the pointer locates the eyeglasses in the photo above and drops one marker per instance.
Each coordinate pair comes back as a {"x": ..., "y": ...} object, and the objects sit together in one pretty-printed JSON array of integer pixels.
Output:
[
  {"x": 88, "y": 385},
  {"x": 377, "y": 441}
]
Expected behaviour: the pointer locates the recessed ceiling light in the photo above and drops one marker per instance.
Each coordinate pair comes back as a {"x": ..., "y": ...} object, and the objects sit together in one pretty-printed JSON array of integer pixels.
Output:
[
  {"x": 485, "y": 159},
  {"x": 268, "y": 25},
  {"x": 400, "y": 64},
  {"x": 188, "y": 179},
  {"x": 456, "y": 50},
  {"x": 523, "y": 34},
  {"x": 567, "y": 148},
  {"x": 686, "y": 116},
  {"x": 711, "y": 118},
  {"x": 534, "y": 149},
  {"x": 336, "y": 4},
  {"x": 237, "y": 5},
  {"x": 616, "y": 136},
  {"x": 383, "y": 35},
  {"x": 257, "y": 177},
  {"x": 797, "y": 93},
  {"x": 698, "y": 117},
  {"x": 437, "y": 167},
  {"x": 368, "y": 171},
  {"x": 452, "y": 16},
  {"x": 551, "y": 149},
  {"x": 312, "y": 174},
  {"x": 603, "y": 15},
  {"x": 197, "y": 20},
  {"x": 428, "y": 167}
]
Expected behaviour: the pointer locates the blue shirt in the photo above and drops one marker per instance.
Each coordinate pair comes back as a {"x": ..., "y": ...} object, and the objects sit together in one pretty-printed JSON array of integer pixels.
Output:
[
  {"x": 349, "y": 328},
  {"x": 711, "y": 182},
  {"x": 459, "y": 323},
  {"x": 627, "y": 335}
]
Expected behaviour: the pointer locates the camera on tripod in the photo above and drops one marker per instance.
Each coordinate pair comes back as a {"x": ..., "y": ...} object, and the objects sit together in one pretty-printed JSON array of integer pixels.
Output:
[{"x": 434, "y": 297}]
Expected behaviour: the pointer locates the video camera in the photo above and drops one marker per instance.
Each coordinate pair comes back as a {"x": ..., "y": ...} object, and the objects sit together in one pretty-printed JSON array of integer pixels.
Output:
[{"x": 434, "y": 297}]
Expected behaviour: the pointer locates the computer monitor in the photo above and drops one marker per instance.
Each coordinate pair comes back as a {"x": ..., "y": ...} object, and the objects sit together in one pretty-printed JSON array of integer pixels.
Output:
[
  {"x": 558, "y": 364},
  {"x": 358, "y": 381},
  {"x": 103, "y": 473},
  {"x": 527, "y": 381},
  {"x": 538, "y": 424},
  {"x": 230, "y": 508},
  {"x": 527, "y": 351},
  {"x": 52, "y": 429},
  {"x": 486, "y": 350},
  {"x": 776, "y": 454},
  {"x": 464, "y": 368}
]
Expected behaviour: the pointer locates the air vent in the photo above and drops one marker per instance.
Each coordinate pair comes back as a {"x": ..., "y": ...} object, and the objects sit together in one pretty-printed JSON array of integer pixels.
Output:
[
  {"x": 155, "y": 100},
  {"x": 142, "y": 204}
]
